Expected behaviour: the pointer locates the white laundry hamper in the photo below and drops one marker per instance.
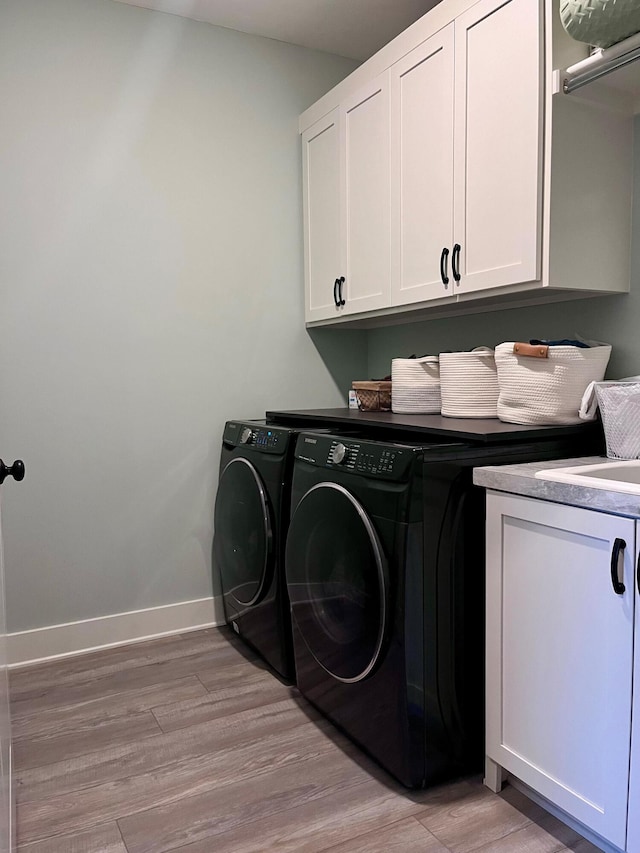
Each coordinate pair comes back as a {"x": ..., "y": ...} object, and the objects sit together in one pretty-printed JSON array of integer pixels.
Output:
[
  {"x": 415, "y": 385},
  {"x": 469, "y": 384},
  {"x": 544, "y": 385},
  {"x": 619, "y": 403}
]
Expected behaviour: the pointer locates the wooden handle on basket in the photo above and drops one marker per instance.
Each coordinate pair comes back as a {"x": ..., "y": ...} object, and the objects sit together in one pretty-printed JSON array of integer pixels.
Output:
[{"x": 533, "y": 350}]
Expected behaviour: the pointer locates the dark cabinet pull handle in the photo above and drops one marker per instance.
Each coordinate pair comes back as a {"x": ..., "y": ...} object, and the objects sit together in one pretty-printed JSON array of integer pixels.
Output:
[
  {"x": 455, "y": 262},
  {"x": 638, "y": 573},
  {"x": 618, "y": 547},
  {"x": 335, "y": 292},
  {"x": 443, "y": 266},
  {"x": 16, "y": 470},
  {"x": 341, "y": 301}
]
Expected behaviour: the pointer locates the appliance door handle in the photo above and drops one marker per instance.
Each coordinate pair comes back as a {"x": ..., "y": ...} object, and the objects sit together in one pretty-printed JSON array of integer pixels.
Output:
[
  {"x": 443, "y": 266},
  {"x": 455, "y": 262},
  {"x": 341, "y": 301},
  {"x": 618, "y": 548},
  {"x": 335, "y": 292},
  {"x": 638, "y": 573}
]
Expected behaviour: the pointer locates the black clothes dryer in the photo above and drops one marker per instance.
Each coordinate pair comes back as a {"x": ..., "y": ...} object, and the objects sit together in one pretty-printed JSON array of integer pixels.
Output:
[
  {"x": 385, "y": 573},
  {"x": 250, "y": 523}
]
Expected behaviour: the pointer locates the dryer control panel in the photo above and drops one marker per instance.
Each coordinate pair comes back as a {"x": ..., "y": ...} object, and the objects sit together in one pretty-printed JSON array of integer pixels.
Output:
[{"x": 258, "y": 436}]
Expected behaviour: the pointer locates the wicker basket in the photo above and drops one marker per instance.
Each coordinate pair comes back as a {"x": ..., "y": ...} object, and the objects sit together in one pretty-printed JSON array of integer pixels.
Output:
[
  {"x": 542, "y": 384},
  {"x": 373, "y": 396}
]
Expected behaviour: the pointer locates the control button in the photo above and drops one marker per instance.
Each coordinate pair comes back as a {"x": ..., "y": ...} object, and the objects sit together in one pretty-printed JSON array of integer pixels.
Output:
[
  {"x": 245, "y": 436},
  {"x": 339, "y": 453}
]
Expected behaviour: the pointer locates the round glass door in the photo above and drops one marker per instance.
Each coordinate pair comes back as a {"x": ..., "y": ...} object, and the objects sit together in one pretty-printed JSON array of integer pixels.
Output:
[
  {"x": 337, "y": 581},
  {"x": 243, "y": 538}
]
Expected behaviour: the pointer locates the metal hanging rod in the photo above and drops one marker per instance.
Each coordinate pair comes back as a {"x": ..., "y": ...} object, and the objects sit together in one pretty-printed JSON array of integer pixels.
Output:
[{"x": 601, "y": 63}]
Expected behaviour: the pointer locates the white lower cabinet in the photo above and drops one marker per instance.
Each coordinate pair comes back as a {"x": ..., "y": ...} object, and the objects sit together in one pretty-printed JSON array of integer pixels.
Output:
[
  {"x": 561, "y": 596},
  {"x": 633, "y": 819}
]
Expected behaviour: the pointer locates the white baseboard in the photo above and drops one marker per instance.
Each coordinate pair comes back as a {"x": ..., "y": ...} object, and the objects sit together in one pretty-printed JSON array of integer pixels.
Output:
[{"x": 75, "y": 638}]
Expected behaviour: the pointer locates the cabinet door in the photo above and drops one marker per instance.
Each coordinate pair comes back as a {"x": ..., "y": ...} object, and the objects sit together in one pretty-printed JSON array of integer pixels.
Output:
[
  {"x": 7, "y": 823},
  {"x": 633, "y": 820},
  {"x": 422, "y": 171},
  {"x": 422, "y": 93},
  {"x": 366, "y": 189},
  {"x": 498, "y": 144},
  {"x": 321, "y": 189},
  {"x": 559, "y": 655}
]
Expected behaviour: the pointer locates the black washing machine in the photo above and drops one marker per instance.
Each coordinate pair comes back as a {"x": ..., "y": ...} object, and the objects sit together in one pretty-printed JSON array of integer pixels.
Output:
[
  {"x": 385, "y": 574},
  {"x": 250, "y": 523}
]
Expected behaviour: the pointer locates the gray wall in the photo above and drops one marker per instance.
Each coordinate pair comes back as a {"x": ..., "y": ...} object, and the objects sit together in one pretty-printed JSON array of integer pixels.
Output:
[
  {"x": 150, "y": 288},
  {"x": 614, "y": 319}
]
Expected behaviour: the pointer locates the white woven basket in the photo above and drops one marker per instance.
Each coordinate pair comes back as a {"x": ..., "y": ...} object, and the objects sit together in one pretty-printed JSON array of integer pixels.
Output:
[
  {"x": 544, "y": 385},
  {"x": 469, "y": 384},
  {"x": 415, "y": 385}
]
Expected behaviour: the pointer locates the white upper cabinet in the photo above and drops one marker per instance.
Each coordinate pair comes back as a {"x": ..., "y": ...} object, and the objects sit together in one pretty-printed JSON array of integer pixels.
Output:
[
  {"x": 422, "y": 171},
  {"x": 498, "y": 145},
  {"x": 444, "y": 175},
  {"x": 365, "y": 188},
  {"x": 321, "y": 189},
  {"x": 346, "y": 206}
]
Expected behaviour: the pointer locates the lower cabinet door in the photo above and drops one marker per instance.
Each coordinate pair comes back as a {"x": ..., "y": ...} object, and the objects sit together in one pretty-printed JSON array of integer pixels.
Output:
[
  {"x": 7, "y": 804},
  {"x": 560, "y": 622},
  {"x": 633, "y": 820}
]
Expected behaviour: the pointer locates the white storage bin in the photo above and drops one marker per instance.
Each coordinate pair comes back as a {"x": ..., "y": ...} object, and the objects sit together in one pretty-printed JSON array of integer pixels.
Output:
[
  {"x": 415, "y": 385},
  {"x": 619, "y": 403},
  {"x": 544, "y": 384},
  {"x": 469, "y": 384}
]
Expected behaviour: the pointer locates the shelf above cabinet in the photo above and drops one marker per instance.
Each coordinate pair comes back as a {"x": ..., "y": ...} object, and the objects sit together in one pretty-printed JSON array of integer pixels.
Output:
[{"x": 610, "y": 77}]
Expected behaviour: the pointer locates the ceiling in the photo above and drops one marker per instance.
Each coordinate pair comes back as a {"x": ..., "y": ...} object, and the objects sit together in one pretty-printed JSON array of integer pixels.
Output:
[{"x": 352, "y": 28}]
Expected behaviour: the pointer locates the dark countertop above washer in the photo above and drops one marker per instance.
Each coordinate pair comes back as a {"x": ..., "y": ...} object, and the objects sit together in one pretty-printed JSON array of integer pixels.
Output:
[{"x": 478, "y": 430}]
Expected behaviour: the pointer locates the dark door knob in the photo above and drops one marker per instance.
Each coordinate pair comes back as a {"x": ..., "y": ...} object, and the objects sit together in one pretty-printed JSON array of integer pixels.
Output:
[{"x": 16, "y": 470}]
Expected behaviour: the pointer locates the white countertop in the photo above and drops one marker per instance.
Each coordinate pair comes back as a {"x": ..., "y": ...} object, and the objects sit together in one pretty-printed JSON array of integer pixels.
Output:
[{"x": 521, "y": 480}]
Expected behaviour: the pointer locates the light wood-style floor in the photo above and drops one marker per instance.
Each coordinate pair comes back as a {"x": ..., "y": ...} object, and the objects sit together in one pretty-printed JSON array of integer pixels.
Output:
[{"x": 189, "y": 744}]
